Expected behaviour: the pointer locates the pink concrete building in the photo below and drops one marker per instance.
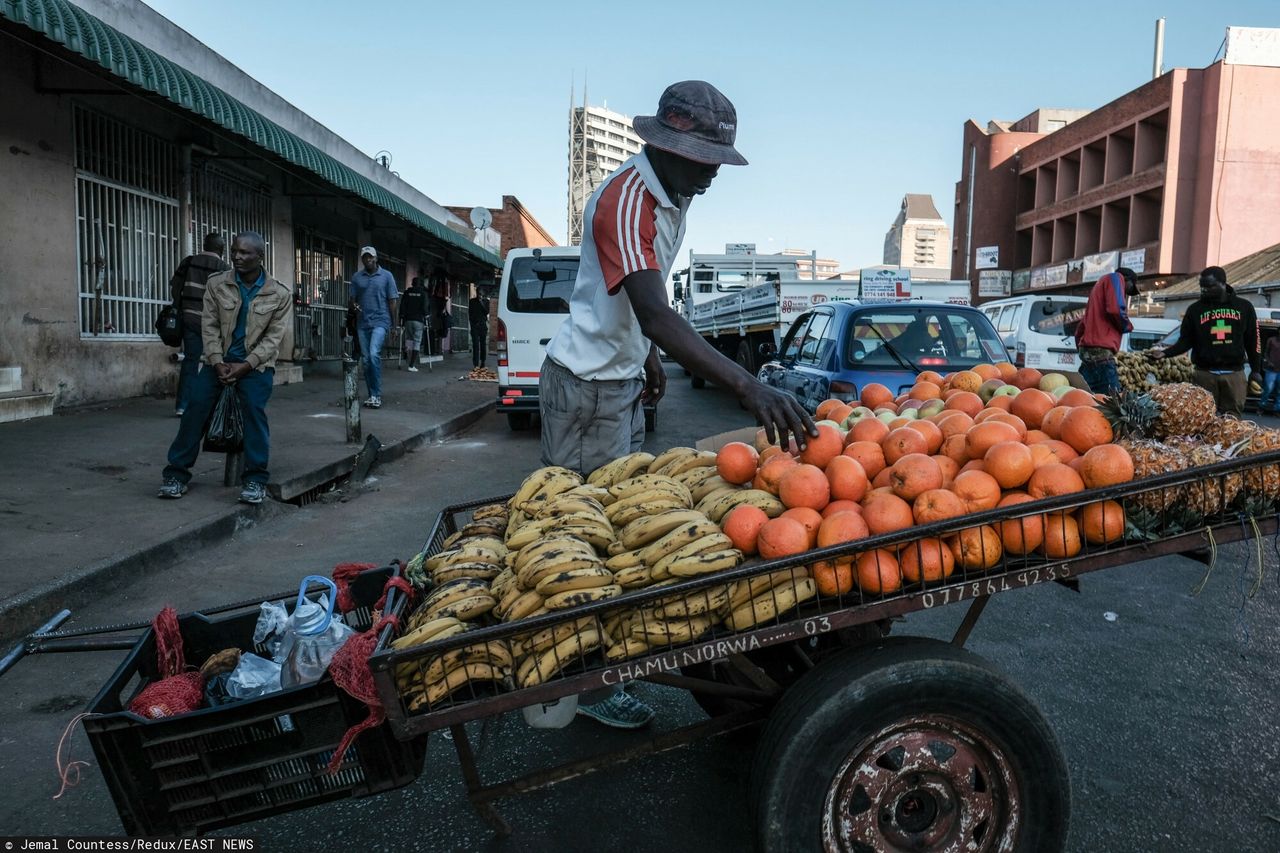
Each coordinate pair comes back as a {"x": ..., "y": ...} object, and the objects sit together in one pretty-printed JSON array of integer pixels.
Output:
[{"x": 1181, "y": 173}]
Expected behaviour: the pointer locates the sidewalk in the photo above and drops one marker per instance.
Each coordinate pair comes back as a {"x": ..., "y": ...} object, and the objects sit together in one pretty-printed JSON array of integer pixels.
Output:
[{"x": 79, "y": 506}]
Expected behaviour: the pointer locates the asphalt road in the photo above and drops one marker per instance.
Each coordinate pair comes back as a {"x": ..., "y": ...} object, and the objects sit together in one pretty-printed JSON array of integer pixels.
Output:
[{"x": 1165, "y": 703}]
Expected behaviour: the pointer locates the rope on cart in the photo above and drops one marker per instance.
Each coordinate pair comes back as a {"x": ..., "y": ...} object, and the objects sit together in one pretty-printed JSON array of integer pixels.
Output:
[
  {"x": 343, "y": 575},
  {"x": 1213, "y": 561},
  {"x": 69, "y": 772}
]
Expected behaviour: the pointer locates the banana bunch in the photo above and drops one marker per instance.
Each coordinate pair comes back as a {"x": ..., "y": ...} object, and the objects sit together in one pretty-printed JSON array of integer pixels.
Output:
[
  {"x": 622, "y": 468},
  {"x": 680, "y": 460},
  {"x": 464, "y": 599},
  {"x": 437, "y": 678},
  {"x": 749, "y": 610},
  {"x": 475, "y": 550},
  {"x": 645, "y": 495},
  {"x": 577, "y": 519},
  {"x": 541, "y": 486},
  {"x": 717, "y": 504},
  {"x": 1138, "y": 373}
]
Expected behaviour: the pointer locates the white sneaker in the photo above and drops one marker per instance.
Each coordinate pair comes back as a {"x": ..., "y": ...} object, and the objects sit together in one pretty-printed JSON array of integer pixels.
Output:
[
  {"x": 413, "y": 370},
  {"x": 373, "y": 403}
]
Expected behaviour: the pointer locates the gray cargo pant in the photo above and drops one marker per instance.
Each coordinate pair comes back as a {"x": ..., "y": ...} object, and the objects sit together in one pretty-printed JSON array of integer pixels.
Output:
[{"x": 587, "y": 423}]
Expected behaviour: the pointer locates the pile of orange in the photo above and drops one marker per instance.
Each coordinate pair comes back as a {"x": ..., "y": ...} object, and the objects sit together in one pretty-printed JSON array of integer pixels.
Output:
[{"x": 974, "y": 451}]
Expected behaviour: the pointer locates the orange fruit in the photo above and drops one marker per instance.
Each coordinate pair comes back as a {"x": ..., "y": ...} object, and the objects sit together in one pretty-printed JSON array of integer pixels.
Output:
[
  {"x": 1051, "y": 423},
  {"x": 973, "y": 465},
  {"x": 772, "y": 470},
  {"x": 950, "y": 468},
  {"x": 878, "y": 572},
  {"x": 1032, "y": 405},
  {"x": 867, "y": 429},
  {"x": 925, "y": 391},
  {"x": 1034, "y": 435},
  {"x": 927, "y": 559},
  {"x": 900, "y": 442},
  {"x": 1053, "y": 479},
  {"x": 1077, "y": 397},
  {"x": 1020, "y": 535},
  {"x": 1061, "y": 536},
  {"x": 914, "y": 474},
  {"x": 881, "y": 481},
  {"x": 874, "y": 394},
  {"x": 982, "y": 437},
  {"x": 757, "y": 482},
  {"x": 823, "y": 447},
  {"x": 1007, "y": 370},
  {"x": 868, "y": 454},
  {"x": 782, "y": 537},
  {"x": 823, "y": 412},
  {"x": 900, "y": 423},
  {"x": 1105, "y": 465},
  {"x": 1103, "y": 522},
  {"x": 1005, "y": 403},
  {"x": 833, "y": 577},
  {"x": 847, "y": 478},
  {"x": 966, "y": 380},
  {"x": 808, "y": 517},
  {"x": 964, "y": 401},
  {"x": 839, "y": 413},
  {"x": 885, "y": 512},
  {"x": 737, "y": 462},
  {"x": 841, "y": 527},
  {"x": 742, "y": 525},
  {"x": 932, "y": 435},
  {"x": 937, "y": 505},
  {"x": 770, "y": 452},
  {"x": 976, "y": 547},
  {"x": 1010, "y": 462},
  {"x": 955, "y": 448},
  {"x": 977, "y": 490},
  {"x": 1012, "y": 420},
  {"x": 954, "y": 423},
  {"x": 1085, "y": 427},
  {"x": 930, "y": 376},
  {"x": 842, "y": 506},
  {"x": 1057, "y": 451},
  {"x": 1027, "y": 377},
  {"x": 804, "y": 486},
  {"x": 986, "y": 371}
]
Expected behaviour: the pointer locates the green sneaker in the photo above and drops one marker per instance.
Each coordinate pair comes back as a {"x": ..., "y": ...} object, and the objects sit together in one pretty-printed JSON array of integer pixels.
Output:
[{"x": 621, "y": 711}]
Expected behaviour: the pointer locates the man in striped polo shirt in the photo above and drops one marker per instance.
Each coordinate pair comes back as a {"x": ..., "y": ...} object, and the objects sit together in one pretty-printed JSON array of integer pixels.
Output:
[{"x": 602, "y": 365}]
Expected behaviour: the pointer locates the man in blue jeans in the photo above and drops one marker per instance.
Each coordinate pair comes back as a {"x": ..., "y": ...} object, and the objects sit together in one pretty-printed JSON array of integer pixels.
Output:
[
  {"x": 243, "y": 321},
  {"x": 186, "y": 289},
  {"x": 373, "y": 289}
]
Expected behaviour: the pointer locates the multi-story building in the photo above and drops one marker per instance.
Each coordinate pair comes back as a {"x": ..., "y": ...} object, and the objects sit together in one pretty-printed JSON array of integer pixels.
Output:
[
  {"x": 806, "y": 262},
  {"x": 918, "y": 237},
  {"x": 600, "y": 141},
  {"x": 1166, "y": 180}
]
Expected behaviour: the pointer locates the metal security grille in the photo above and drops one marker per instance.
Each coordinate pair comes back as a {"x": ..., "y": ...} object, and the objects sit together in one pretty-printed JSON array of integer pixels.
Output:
[
  {"x": 229, "y": 204},
  {"x": 460, "y": 325},
  {"x": 128, "y": 229},
  {"x": 321, "y": 288}
]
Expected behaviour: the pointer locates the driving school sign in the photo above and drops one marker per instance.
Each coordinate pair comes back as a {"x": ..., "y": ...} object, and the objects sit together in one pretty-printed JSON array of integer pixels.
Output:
[{"x": 885, "y": 285}]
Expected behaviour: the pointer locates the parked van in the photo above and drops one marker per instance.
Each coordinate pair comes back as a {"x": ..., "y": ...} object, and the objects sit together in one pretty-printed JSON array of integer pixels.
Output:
[
  {"x": 1039, "y": 331},
  {"x": 533, "y": 301},
  {"x": 1147, "y": 332}
]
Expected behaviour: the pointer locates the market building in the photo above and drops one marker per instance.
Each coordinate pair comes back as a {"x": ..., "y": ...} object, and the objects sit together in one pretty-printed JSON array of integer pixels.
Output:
[
  {"x": 1165, "y": 180},
  {"x": 135, "y": 140}
]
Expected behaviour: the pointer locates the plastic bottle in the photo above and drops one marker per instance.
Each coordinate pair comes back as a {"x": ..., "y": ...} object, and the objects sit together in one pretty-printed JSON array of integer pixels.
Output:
[{"x": 316, "y": 637}]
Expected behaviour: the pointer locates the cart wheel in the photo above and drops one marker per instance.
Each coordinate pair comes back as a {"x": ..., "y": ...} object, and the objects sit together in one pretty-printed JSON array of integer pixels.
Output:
[
  {"x": 520, "y": 421},
  {"x": 697, "y": 382},
  {"x": 909, "y": 744}
]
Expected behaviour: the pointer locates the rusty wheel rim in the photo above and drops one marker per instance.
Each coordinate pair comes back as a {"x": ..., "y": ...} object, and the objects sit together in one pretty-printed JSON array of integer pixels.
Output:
[{"x": 928, "y": 783}]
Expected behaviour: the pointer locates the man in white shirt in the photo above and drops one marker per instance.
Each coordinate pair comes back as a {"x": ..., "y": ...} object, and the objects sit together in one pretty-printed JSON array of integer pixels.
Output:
[{"x": 602, "y": 365}]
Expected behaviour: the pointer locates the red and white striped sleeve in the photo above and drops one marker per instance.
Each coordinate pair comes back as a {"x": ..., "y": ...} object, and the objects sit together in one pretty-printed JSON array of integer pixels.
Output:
[{"x": 623, "y": 229}]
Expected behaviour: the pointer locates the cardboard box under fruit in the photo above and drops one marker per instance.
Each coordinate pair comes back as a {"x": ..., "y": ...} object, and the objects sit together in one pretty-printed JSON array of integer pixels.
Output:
[{"x": 747, "y": 435}]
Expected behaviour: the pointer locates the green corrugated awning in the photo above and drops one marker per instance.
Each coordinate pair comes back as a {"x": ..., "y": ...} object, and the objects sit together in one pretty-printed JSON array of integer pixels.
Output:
[{"x": 66, "y": 24}]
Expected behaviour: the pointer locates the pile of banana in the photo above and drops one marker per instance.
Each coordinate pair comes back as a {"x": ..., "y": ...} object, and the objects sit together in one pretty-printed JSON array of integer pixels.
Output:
[
  {"x": 1138, "y": 373},
  {"x": 560, "y": 542}
]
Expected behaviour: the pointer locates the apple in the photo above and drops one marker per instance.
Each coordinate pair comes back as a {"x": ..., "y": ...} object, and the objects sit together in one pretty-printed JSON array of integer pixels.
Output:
[
  {"x": 830, "y": 423},
  {"x": 1060, "y": 392},
  {"x": 882, "y": 409},
  {"x": 886, "y": 417},
  {"x": 910, "y": 404},
  {"x": 911, "y": 414},
  {"x": 987, "y": 389},
  {"x": 1050, "y": 381},
  {"x": 931, "y": 408},
  {"x": 1007, "y": 391},
  {"x": 859, "y": 414}
]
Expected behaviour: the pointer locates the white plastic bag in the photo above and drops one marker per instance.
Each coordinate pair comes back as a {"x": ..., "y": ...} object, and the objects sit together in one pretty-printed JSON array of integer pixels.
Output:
[{"x": 253, "y": 676}]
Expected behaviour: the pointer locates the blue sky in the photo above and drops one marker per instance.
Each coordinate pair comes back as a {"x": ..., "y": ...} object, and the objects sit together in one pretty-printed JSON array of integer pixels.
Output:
[{"x": 843, "y": 107}]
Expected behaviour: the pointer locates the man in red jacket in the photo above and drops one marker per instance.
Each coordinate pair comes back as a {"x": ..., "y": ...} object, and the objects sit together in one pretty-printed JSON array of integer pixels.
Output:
[{"x": 1098, "y": 334}]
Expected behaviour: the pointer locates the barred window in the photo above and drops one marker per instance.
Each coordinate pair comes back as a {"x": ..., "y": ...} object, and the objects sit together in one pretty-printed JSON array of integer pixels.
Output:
[{"x": 128, "y": 228}]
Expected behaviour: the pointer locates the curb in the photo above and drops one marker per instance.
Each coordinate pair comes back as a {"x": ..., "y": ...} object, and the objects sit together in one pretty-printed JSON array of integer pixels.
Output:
[{"x": 23, "y": 613}]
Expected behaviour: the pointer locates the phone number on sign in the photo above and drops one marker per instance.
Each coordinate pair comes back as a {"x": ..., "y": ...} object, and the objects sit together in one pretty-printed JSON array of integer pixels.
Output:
[{"x": 991, "y": 586}]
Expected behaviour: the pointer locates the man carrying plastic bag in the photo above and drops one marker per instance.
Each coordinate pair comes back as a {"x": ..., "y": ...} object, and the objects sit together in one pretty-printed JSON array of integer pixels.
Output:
[{"x": 245, "y": 315}]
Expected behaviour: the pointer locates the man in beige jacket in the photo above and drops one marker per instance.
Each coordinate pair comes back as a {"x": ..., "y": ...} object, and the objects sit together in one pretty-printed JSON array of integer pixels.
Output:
[{"x": 244, "y": 320}]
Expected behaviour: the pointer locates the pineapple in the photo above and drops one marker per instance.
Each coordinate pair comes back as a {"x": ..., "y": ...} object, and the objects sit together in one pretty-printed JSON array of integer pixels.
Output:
[
  {"x": 1185, "y": 409},
  {"x": 1151, "y": 458},
  {"x": 1130, "y": 415},
  {"x": 1227, "y": 431},
  {"x": 1209, "y": 497},
  {"x": 1263, "y": 483}
]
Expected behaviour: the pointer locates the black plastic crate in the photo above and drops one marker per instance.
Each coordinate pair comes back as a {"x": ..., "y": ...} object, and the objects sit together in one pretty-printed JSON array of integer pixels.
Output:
[{"x": 223, "y": 766}]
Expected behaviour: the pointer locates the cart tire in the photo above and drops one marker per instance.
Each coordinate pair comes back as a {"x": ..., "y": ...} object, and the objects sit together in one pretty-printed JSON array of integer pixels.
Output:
[
  {"x": 909, "y": 744},
  {"x": 697, "y": 381},
  {"x": 520, "y": 421}
]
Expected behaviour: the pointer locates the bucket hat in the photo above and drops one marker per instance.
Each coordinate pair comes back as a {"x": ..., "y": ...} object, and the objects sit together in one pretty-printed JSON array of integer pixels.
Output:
[{"x": 694, "y": 121}]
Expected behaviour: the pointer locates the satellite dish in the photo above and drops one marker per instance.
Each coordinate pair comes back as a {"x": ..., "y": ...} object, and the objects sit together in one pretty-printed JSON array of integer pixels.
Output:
[{"x": 481, "y": 218}]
